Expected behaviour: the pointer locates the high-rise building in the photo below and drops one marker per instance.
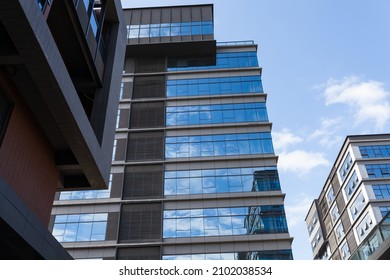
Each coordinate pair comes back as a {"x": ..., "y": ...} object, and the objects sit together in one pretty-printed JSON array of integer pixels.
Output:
[
  {"x": 194, "y": 174},
  {"x": 350, "y": 220},
  {"x": 60, "y": 73}
]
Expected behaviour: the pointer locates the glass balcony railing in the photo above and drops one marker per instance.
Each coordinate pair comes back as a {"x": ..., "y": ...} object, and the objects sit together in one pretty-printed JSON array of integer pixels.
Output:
[{"x": 374, "y": 241}]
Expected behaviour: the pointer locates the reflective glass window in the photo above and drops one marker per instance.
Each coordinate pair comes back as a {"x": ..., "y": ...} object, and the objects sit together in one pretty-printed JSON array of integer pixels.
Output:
[
  {"x": 210, "y": 114},
  {"x": 80, "y": 227},
  {"x": 378, "y": 170},
  {"x": 214, "y": 86},
  {"x": 170, "y": 29},
  {"x": 221, "y": 180},
  {"x": 218, "y": 145},
  {"x": 381, "y": 191},
  {"x": 345, "y": 167},
  {"x": 252, "y": 255},
  {"x": 377, "y": 151},
  {"x": 352, "y": 185},
  {"x": 224, "y": 221},
  {"x": 357, "y": 205}
]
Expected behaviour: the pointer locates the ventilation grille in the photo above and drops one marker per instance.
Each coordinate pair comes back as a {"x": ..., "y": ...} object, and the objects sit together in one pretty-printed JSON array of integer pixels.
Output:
[
  {"x": 150, "y": 65},
  {"x": 149, "y": 87},
  {"x": 145, "y": 146},
  {"x": 140, "y": 222},
  {"x": 143, "y": 182},
  {"x": 150, "y": 114}
]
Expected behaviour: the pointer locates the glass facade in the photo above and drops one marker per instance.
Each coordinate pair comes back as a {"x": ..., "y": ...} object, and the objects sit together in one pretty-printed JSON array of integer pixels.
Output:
[
  {"x": 378, "y": 170},
  {"x": 381, "y": 191},
  {"x": 214, "y": 114},
  {"x": 224, "y": 221},
  {"x": 358, "y": 205},
  {"x": 80, "y": 227},
  {"x": 377, "y": 151},
  {"x": 214, "y": 86},
  {"x": 347, "y": 164},
  {"x": 218, "y": 145},
  {"x": 384, "y": 210},
  {"x": 223, "y": 60},
  {"x": 351, "y": 186},
  {"x": 254, "y": 255},
  {"x": 226, "y": 180},
  {"x": 170, "y": 29}
]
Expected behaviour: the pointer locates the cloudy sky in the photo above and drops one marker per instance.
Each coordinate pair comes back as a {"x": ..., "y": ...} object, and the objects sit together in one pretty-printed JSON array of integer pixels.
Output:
[{"x": 326, "y": 70}]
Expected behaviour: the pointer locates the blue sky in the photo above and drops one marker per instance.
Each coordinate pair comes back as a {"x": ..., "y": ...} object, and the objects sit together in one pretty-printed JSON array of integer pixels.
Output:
[{"x": 326, "y": 72}]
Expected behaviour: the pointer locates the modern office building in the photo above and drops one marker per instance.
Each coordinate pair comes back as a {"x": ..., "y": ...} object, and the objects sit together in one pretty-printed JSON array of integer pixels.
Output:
[
  {"x": 194, "y": 174},
  {"x": 350, "y": 219},
  {"x": 60, "y": 71}
]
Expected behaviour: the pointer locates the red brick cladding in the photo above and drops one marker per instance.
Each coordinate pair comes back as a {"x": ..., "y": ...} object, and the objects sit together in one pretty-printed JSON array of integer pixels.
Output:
[{"x": 27, "y": 158}]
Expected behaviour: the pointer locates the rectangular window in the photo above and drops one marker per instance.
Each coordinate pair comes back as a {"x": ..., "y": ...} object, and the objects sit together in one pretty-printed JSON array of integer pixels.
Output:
[
  {"x": 224, "y": 221},
  {"x": 5, "y": 110},
  {"x": 214, "y": 86},
  {"x": 377, "y": 151},
  {"x": 352, "y": 185},
  {"x": 347, "y": 164},
  {"x": 378, "y": 170},
  {"x": 223, "y": 60},
  {"x": 214, "y": 114},
  {"x": 218, "y": 145},
  {"x": 357, "y": 205},
  {"x": 225, "y": 180},
  {"x": 80, "y": 227},
  {"x": 252, "y": 255},
  {"x": 381, "y": 191},
  {"x": 171, "y": 29}
]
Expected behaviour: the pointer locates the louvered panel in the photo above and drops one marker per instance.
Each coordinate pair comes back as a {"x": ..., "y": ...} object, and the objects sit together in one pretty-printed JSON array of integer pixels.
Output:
[
  {"x": 149, "y": 87},
  {"x": 143, "y": 182},
  {"x": 145, "y": 146},
  {"x": 140, "y": 222},
  {"x": 145, "y": 115},
  {"x": 150, "y": 65}
]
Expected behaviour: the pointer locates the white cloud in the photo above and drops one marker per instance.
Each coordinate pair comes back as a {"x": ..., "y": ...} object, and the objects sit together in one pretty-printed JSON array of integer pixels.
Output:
[
  {"x": 301, "y": 162},
  {"x": 327, "y": 132},
  {"x": 284, "y": 138},
  {"x": 367, "y": 99},
  {"x": 297, "y": 209}
]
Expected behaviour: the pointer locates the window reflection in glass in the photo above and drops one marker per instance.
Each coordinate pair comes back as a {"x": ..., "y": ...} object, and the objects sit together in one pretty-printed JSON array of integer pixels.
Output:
[
  {"x": 171, "y": 29},
  {"x": 218, "y": 145},
  {"x": 80, "y": 227},
  {"x": 211, "y": 114},
  {"x": 221, "y": 180},
  {"x": 224, "y": 221},
  {"x": 252, "y": 255},
  {"x": 214, "y": 86}
]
